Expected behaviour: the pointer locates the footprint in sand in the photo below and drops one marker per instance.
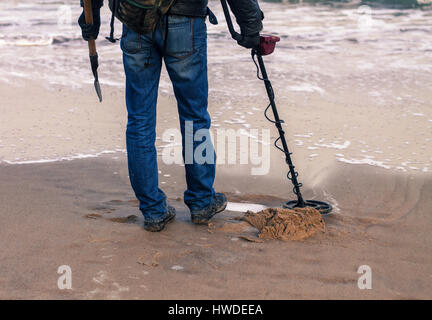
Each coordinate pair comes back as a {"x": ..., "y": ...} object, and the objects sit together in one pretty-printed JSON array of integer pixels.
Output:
[
  {"x": 129, "y": 219},
  {"x": 107, "y": 209},
  {"x": 133, "y": 202},
  {"x": 106, "y": 287},
  {"x": 92, "y": 216},
  {"x": 102, "y": 209}
]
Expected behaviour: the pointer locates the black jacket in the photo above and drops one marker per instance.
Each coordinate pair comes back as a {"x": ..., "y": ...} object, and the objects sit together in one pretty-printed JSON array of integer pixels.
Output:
[
  {"x": 195, "y": 8},
  {"x": 248, "y": 15},
  {"x": 247, "y": 12}
]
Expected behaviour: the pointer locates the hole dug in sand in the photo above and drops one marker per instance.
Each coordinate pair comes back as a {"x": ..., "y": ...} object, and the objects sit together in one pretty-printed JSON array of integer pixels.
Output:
[{"x": 286, "y": 224}]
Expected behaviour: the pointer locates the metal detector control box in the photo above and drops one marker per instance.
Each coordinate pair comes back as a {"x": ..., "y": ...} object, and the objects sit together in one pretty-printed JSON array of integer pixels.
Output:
[{"x": 267, "y": 44}]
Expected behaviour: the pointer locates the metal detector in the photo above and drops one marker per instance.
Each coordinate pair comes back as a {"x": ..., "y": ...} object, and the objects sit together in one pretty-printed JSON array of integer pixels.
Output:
[{"x": 266, "y": 47}]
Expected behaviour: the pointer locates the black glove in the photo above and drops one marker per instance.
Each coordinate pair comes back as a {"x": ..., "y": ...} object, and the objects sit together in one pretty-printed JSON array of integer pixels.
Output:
[
  {"x": 250, "y": 42},
  {"x": 90, "y": 30}
]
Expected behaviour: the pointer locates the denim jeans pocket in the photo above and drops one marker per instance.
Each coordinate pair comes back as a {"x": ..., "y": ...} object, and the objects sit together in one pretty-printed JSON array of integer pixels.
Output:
[
  {"x": 180, "y": 36},
  {"x": 130, "y": 41}
]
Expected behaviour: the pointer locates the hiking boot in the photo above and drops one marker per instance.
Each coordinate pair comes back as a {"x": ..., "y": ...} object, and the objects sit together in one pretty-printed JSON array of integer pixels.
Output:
[
  {"x": 159, "y": 226},
  {"x": 204, "y": 215}
]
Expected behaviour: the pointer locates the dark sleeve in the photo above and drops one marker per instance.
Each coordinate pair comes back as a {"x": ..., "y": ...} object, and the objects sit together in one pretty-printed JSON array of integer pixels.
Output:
[
  {"x": 248, "y": 15},
  {"x": 95, "y": 3}
]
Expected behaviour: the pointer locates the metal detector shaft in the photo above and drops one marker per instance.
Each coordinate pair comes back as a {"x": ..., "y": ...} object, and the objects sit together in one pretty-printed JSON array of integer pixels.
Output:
[
  {"x": 278, "y": 124},
  {"x": 235, "y": 35}
]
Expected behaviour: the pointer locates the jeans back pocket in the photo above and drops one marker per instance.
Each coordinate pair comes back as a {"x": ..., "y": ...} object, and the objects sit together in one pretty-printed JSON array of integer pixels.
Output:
[{"x": 180, "y": 36}]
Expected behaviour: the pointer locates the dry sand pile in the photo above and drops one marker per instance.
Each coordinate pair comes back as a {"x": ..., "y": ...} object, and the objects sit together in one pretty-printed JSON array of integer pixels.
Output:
[{"x": 285, "y": 224}]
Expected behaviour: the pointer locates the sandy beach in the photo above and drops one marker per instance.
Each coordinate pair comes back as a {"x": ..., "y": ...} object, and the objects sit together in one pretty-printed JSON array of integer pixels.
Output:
[{"x": 358, "y": 121}]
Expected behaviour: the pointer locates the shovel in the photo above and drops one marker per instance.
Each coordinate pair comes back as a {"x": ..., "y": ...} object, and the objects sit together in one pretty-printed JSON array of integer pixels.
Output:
[{"x": 88, "y": 13}]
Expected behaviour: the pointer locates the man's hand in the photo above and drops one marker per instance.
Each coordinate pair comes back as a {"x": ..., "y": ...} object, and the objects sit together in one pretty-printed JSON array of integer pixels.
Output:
[
  {"x": 90, "y": 30},
  {"x": 250, "y": 42}
]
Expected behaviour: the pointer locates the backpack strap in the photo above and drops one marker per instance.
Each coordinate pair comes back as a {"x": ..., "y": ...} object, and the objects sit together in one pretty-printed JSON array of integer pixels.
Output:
[
  {"x": 111, "y": 37},
  {"x": 212, "y": 17}
]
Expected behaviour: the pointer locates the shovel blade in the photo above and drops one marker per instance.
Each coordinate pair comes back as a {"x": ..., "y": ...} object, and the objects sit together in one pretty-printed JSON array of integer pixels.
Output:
[
  {"x": 98, "y": 89},
  {"x": 94, "y": 66}
]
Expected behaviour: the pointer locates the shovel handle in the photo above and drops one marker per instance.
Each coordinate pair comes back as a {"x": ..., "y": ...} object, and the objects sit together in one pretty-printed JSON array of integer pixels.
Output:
[
  {"x": 88, "y": 13},
  {"x": 92, "y": 47}
]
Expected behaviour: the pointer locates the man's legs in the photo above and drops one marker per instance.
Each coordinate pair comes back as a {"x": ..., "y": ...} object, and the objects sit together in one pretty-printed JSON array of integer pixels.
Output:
[
  {"x": 142, "y": 63},
  {"x": 186, "y": 62}
]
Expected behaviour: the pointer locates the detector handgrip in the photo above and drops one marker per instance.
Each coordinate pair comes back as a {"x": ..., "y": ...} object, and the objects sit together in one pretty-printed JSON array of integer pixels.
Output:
[{"x": 267, "y": 42}]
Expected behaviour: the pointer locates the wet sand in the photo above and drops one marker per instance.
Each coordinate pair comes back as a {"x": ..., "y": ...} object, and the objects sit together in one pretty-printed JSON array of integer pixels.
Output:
[{"x": 64, "y": 214}]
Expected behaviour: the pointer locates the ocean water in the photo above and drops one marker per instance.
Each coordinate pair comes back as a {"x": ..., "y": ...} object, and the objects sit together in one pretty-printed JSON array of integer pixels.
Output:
[
  {"x": 350, "y": 55},
  {"x": 40, "y": 40}
]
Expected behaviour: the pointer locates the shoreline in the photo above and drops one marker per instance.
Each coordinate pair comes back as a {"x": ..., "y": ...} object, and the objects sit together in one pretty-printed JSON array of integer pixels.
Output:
[{"x": 42, "y": 130}]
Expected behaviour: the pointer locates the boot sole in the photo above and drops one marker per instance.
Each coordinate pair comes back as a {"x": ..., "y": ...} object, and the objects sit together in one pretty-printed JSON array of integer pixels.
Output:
[
  {"x": 160, "y": 227},
  {"x": 205, "y": 221}
]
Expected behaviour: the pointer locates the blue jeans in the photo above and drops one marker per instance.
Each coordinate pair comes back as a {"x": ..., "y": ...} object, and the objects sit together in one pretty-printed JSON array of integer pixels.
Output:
[{"x": 182, "y": 43}]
